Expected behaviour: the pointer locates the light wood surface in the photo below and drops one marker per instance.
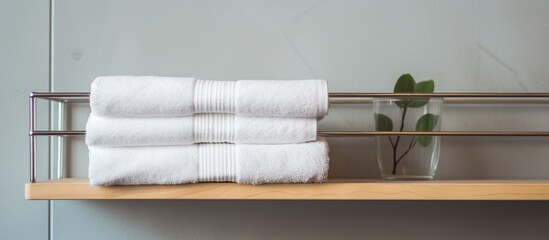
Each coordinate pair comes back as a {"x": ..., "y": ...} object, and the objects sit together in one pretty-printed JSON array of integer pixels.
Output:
[{"x": 338, "y": 189}]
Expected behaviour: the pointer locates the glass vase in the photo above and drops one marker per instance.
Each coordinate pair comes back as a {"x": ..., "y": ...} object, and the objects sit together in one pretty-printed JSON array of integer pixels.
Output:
[{"x": 408, "y": 157}]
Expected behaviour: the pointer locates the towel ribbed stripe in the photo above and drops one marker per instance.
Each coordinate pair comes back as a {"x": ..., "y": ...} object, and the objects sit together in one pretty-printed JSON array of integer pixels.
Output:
[
  {"x": 214, "y": 128},
  {"x": 216, "y": 163},
  {"x": 214, "y": 96}
]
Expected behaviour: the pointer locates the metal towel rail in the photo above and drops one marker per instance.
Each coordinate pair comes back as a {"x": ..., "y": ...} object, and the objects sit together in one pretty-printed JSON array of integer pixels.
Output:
[{"x": 335, "y": 98}]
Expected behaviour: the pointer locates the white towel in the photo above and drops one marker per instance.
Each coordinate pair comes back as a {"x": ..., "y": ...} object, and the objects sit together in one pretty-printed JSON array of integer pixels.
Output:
[
  {"x": 199, "y": 128},
  {"x": 249, "y": 164},
  {"x": 147, "y": 96}
]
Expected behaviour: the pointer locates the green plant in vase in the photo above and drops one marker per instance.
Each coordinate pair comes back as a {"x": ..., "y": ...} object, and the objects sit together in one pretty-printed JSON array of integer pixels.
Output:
[{"x": 426, "y": 122}]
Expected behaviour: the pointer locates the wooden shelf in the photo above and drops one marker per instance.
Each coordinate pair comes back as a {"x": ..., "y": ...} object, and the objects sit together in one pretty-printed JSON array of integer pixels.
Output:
[{"x": 337, "y": 189}]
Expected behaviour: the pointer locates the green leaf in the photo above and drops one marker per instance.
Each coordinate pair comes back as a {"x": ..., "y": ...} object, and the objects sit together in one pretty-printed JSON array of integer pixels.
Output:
[
  {"x": 383, "y": 122},
  {"x": 426, "y": 123},
  {"x": 427, "y": 86},
  {"x": 404, "y": 84}
]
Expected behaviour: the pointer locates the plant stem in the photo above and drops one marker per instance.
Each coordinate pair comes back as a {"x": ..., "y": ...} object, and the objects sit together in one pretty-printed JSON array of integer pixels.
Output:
[
  {"x": 391, "y": 141},
  {"x": 395, "y": 146},
  {"x": 412, "y": 144}
]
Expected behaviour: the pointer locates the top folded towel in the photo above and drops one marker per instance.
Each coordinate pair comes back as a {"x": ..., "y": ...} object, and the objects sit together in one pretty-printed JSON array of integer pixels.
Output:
[{"x": 148, "y": 96}]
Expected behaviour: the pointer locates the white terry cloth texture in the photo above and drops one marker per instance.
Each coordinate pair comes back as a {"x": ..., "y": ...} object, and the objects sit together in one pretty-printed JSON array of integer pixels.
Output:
[
  {"x": 142, "y": 96},
  {"x": 199, "y": 128},
  {"x": 295, "y": 98},
  {"x": 148, "y": 96},
  {"x": 248, "y": 164}
]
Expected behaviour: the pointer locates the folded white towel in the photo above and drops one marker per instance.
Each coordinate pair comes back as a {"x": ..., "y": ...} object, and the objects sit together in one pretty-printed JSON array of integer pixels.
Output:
[
  {"x": 199, "y": 128},
  {"x": 249, "y": 164},
  {"x": 146, "y": 96}
]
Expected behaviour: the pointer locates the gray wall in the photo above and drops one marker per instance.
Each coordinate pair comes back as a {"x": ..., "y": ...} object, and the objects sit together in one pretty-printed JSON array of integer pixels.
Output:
[
  {"x": 24, "y": 67},
  {"x": 470, "y": 46}
]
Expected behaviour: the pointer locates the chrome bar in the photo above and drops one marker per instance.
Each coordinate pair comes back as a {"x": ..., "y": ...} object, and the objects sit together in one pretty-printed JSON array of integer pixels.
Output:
[
  {"x": 60, "y": 94},
  {"x": 449, "y": 100},
  {"x": 61, "y": 140},
  {"x": 440, "y": 95},
  {"x": 57, "y": 133},
  {"x": 63, "y": 96},
  {"x": 365, "y": 133},
  {"x": 452, "y": 98},
  {"x": 360, "y": 98},
  {"x": 32, "y": 140},
  {"x": 349, "y": 95},
  {"x": 436, "y": 133}
]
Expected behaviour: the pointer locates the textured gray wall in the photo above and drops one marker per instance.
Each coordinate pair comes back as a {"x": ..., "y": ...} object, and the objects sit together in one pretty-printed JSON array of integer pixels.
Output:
[{"x": 355, "y": 45}]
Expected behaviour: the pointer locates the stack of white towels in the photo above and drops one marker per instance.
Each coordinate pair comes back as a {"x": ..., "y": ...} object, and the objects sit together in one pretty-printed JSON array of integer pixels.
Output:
[{"x": 167, "y": 130}]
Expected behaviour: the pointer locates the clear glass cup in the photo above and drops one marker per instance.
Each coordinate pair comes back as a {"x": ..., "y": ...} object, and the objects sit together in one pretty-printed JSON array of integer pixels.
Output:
[{"x": 409, "y": 157}]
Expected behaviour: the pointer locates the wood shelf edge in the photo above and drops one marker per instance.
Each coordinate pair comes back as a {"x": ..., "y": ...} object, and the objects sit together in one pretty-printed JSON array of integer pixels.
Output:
[{"x": 335, "y": 189}]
